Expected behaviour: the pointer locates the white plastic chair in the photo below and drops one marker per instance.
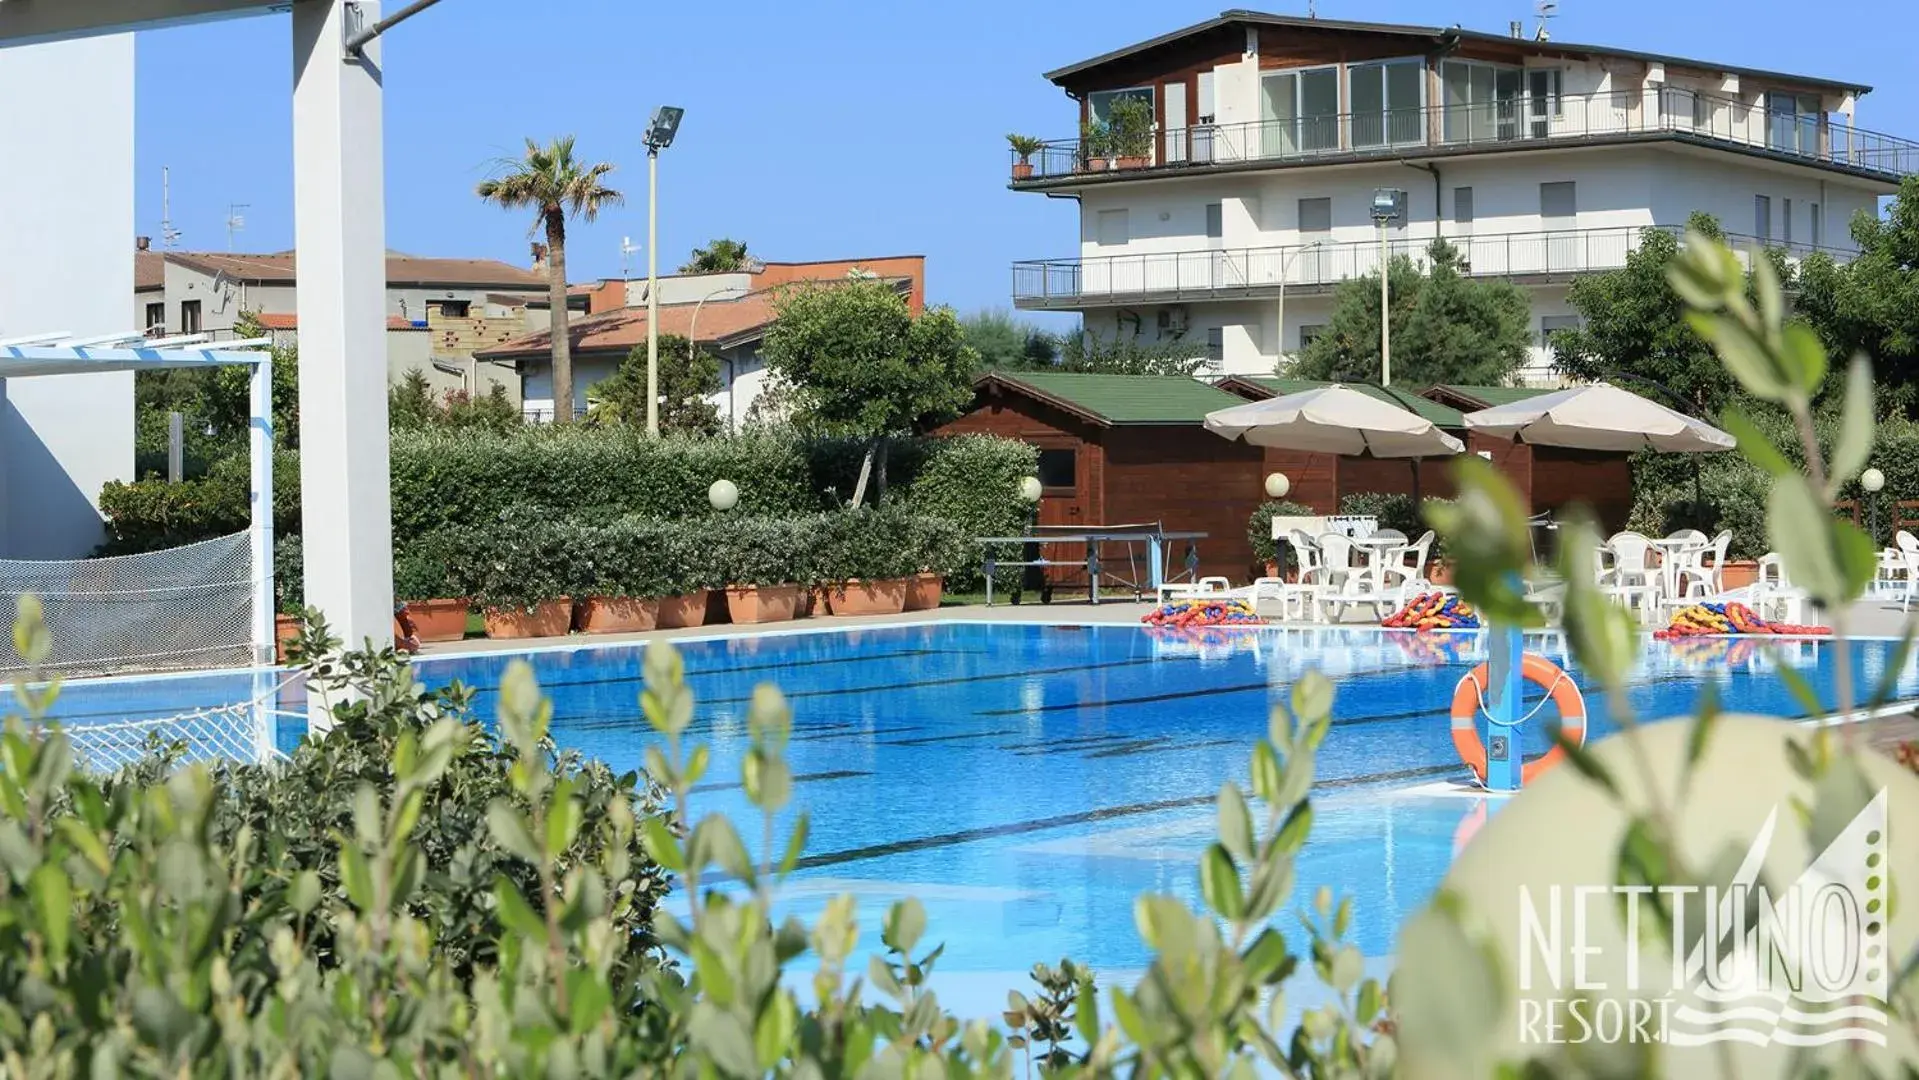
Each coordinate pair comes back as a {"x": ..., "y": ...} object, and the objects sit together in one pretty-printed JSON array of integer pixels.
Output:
[
  {"x": 1625, "y": 570},
  {"x": 1190, "y": 590},
  {"x": 1410, "y": 565},
  {"x": 1343, "y": 584},
  {"x": 1909, "y": 557},
  {"x": 1704, "y": 575},
  {"x": 1774, "y": 597}
]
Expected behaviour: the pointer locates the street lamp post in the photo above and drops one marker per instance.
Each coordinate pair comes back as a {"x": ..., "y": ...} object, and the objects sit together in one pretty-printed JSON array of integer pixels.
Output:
[
  {"x": 1285, "y": 265},
  {"x": 1873, "y": 481},
  {"x": 659, "y": 135},
  {"x": 1388, "y": 205}
]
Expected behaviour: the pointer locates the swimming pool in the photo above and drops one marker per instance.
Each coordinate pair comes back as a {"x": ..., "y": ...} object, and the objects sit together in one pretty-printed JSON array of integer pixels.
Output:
[{"x": 1026, "y": 782}]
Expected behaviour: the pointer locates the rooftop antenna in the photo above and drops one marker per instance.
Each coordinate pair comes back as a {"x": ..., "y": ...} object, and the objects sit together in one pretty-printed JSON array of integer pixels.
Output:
[
  {"x": 236, "y": 221},
  {"x": 1312, "y": 9},
  {"x": 169, "y": 236},
  {"x": 627, "y": 248},
  {"x": 1546, "y": 9}
]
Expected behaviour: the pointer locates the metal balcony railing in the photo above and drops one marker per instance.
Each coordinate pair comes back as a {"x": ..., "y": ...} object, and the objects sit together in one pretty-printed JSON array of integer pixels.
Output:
[
  {"x": 1261, "y": 271},
  {"x": 1517, "y": 122}
]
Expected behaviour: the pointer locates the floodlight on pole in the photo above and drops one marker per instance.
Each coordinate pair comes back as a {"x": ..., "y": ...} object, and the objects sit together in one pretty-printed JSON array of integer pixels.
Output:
[
  {"x": 659, "y": 135},
  {"x": 1388, "y": 204}
]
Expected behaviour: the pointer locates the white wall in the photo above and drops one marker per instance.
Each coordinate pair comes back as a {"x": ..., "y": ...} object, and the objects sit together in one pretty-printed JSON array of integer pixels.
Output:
[{"x": 66, "y": 222}]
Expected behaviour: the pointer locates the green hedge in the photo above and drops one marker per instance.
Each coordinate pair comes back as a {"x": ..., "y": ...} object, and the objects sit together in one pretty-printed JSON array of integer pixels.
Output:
[
  {"x": 1259, "y": 530},
  {"x": 973, "y": 482}
]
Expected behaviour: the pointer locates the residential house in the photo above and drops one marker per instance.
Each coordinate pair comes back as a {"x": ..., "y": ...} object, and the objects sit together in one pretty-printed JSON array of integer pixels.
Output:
[
  {"x": 727, "y": 314},
  {"x": 1226, "y": 205},
  {"x": 439, "y": 311}
]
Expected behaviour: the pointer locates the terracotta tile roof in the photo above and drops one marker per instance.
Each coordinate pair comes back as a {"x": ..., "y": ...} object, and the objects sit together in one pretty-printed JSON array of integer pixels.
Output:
[
  {"x": 280, "y": 321},
  {"x": 721, "y": 322},
  {"x": 149, "y": 270},
  {"x": 400, "y": 269}
]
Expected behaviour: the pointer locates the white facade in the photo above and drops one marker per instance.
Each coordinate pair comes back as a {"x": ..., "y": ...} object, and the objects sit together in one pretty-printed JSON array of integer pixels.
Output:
[
  {"x": 69, "y": 268},
  {"x": 1555, "y": 176}
]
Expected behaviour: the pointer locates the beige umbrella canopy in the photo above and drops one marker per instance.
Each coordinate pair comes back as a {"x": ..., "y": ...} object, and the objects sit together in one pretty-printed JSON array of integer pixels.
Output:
[
  {"x": 1334, "y": 420},
  {"x": 1600, "y": 417}
]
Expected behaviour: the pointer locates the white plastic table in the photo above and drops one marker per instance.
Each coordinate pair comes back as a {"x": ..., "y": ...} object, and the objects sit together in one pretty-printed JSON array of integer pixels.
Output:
[
  {"x": 1378, "y": 550},
  {"x": 1671, "y": 552}
]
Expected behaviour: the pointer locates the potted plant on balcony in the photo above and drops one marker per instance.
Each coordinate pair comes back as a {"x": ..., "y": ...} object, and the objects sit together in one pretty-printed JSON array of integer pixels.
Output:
[
  {"x": 624, "y": 578},
  {"x": 1024, "y": 147},
  {"x": 760, "y": 559},
  {"x": 1130, "y": 120},
  {"x": 1095, "y": 146},
  {"x": 423, "y": 582}
]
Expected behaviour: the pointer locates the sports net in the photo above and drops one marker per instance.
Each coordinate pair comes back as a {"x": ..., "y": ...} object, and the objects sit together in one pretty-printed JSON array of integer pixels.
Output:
[
  {"x": 241, "y": 732},
  {"x": 184, "y": 607}
]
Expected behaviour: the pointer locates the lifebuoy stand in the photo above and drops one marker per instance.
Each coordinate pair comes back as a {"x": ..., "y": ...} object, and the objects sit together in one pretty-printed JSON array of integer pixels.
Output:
[{"x": 1504, "y": 699}]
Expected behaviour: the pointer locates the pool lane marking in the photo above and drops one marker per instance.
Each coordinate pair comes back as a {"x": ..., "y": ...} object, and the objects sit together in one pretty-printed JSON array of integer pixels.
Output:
[
  {"x": 931, "y": 739},
  {"x": 798, "y": 778},
  {"x": 797, "y": 661},
  {"x": 1017, "y": 828},
  {"x": 1157, "y": 745}
]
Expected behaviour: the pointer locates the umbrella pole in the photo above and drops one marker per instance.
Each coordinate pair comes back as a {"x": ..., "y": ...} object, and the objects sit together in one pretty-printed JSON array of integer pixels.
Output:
[{"x": 1416, "y": 500}]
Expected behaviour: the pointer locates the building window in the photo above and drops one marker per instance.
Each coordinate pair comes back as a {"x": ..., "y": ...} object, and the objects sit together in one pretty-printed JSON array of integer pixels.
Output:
[
  {"x": 1316, "y": 215},
  {"x": 1387, "y": 102},
  {"x": 1812, "y": 211},
  {"x": 1100, "y": 102},
  {"x": 1215, "y": 345},
  {"x": 1299, "y": 111},
  {"x": 1057, "y": 468},
  {"x": 1793, "y": 122},
  {"x": 1785, "y": 221},
  {"x": 1113, "y": 228},
  {"x": 1559, "y": 204},
  {"x": 1551, "y": 324},
  {"x": 1481, "y": 101},
  {"x": 455, "y": 309},
  {"x": 189, "y": 316},
  {"x": 1215, "y": 221},
  {"x": 1543, "y": 99},
  {"x": 1762, "y": 216},
  {"x": 1309, "y": 333},
  {"x": 156, "y": 318},
  {"x": 1463, "y": 209}
]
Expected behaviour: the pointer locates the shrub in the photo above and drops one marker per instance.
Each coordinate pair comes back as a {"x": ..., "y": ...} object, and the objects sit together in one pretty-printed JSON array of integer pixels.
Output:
[
  {"x": 1394, "y": 511},
  {"x": 523, "y": 560},
  {"x": 973, "y": 482},
  {"x": 865, "y": 543},
  {"x": 633, "y": 557},
  {"x": 424, "y": 571},
  {"x": 289, "y": 576},
  {"x": 760, "y": 551},
  {"x": 1259, "y": 529}
]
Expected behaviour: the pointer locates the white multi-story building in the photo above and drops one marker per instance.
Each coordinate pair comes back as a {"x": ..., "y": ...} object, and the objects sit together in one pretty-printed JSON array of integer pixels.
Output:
[{"x": 1228, "y": 219}]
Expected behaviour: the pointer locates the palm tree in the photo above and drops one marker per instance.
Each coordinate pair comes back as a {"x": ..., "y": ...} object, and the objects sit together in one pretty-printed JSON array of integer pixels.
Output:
[
  {"x": 719, "y": 257},
  {"x": 556, "y": 186}
]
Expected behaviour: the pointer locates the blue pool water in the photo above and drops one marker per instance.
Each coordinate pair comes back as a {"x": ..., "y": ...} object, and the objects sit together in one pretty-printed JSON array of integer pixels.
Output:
[{"x": 1027, "y": 782}]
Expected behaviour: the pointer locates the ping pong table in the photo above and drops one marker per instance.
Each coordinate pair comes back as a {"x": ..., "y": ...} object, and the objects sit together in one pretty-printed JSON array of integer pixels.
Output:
[{"x": 1142, "y": 576}]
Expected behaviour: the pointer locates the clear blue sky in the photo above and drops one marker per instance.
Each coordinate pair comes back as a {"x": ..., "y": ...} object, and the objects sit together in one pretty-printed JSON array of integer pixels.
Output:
[{"x": 814, "y": 129}]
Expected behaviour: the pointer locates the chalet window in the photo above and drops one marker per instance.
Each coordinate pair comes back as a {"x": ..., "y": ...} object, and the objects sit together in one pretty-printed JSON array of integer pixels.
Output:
[
  {"x": 1113, "y": 228},
  {"x": 1316, "y": 215},
  {"x": 1387, "y": 99},
  {"x": 1215, "y": 221},
  {"x": 1215, "y": 345},
  {"x": 454, "y": 309},
  {"x": 1057, "y": 468},
  {"x": 189, "y": 316},
  {"x": 156, "y": 318}
]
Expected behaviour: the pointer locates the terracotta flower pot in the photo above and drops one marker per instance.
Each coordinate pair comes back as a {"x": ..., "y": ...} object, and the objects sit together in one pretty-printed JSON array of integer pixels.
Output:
[
  {"x": 1739, "y": 573},
  {"x": 762, "y": 603},
  {"x": 1132, "y": 162},
  {"x": 438, "y": 620},
  {"x": 687, "y": 609},
  {"x": 616, "y": 615},
  {"x": 1022, "y": 170},
  {"x": 886, "y": 596},
  {"x": 285, "y": 628},
  {"x": 923, "y": 591},
  {"x": 817, "y": 601},
  {"x": 551, "y": 618}
]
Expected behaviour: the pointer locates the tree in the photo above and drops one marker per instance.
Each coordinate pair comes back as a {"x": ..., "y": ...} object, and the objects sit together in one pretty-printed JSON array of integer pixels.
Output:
[
  {"x": 556, "y": 186},
  {"x": 1003, "y": 341},
  {"x": 686, "y": 376},
  {"x": 1447, "y": 327},
  {"x": 413, "y": 406},
  {"x": 858, "y": 363},
  {"x": 720, "y": 256},
  {"x": 1871, "y": 304},
  {"x": 1088, "y": 352}
]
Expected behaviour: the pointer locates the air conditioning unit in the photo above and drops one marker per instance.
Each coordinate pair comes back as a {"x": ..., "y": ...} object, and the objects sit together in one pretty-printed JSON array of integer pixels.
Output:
[{"x": 1173, "y": 320}]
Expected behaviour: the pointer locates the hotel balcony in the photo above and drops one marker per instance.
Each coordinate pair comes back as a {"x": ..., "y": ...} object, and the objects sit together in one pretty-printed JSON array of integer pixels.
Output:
[
  {"x": 1535, "y": 258},
  {"x": 1500, "y": 126}
]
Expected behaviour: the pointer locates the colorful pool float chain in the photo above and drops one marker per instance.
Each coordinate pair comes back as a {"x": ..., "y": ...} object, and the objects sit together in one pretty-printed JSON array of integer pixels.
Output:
[
  {"x": 1197, "y": 613},
  {"x": 1434, "y": 611},
  {"x": 1703, "y": 620}
]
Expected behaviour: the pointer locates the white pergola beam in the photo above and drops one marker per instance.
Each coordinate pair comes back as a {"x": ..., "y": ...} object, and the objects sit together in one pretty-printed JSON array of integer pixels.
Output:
[
  {"x": 340, "y": 229},
  {"x": 28, "y": 22}
]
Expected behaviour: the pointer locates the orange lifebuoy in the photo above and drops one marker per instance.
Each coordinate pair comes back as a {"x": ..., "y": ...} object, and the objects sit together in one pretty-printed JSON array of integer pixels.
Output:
[
  {"x": 1542, "y": 673},
  {"x": 1468, "y": 826}
]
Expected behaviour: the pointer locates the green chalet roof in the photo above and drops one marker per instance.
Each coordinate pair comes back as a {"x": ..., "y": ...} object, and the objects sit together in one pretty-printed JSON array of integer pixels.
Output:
[
  {"x": 1441, "y": 415},
  {"x": 1474, "y": 398},
  {"x": 1113, "y": 400}
]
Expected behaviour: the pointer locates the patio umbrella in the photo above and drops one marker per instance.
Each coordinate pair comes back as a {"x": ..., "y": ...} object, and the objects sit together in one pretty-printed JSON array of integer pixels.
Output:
[
  {"x": 1600, "y": 417},
  {"x": 1336, "y": 420}
]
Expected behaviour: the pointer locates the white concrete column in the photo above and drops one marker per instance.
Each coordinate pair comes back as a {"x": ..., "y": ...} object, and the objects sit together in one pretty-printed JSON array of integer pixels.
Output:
[{"x": 340, "y": 232}]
